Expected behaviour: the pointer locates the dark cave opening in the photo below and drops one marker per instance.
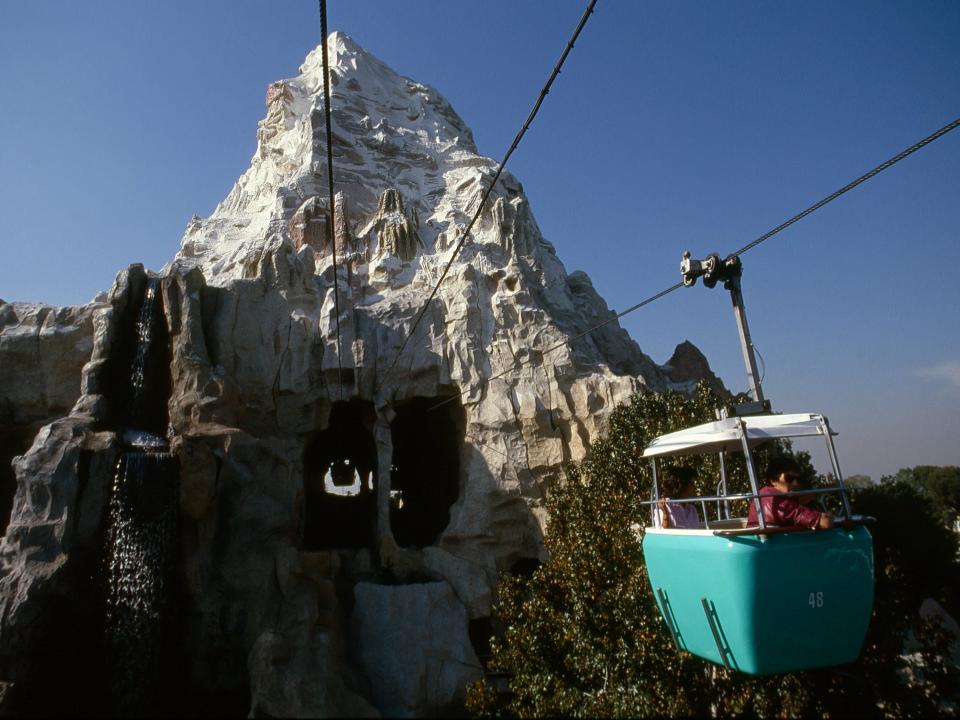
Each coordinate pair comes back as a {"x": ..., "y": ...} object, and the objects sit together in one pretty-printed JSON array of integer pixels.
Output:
[
  {"x": 13, "y": 441},
  {"x": 340, "y": 481},
  {"x": 425, "y": 477}
]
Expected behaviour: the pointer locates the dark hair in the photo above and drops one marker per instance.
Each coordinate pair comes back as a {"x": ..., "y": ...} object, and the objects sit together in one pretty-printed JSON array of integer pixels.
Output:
[
  {"x": 781, "y": 464},
  {"x": 676, "y": 479}
]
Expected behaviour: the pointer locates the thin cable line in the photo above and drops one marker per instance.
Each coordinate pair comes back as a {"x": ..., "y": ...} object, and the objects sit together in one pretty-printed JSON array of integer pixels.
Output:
[
  {"x": 483, "y": 445},
  {"x": 813, "y": 208},
  {"x": 486, "y": 194},
  {"x": 330, "y": 232},
  {"x": 849, "y": 186},
  {"x": 763, "y": 364}
]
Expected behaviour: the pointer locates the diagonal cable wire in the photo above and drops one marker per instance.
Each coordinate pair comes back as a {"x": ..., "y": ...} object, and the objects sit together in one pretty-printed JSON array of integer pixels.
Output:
[
  {"x": 330, "y": 233},
  {"x": 849, "y": 186},
  {"x": 486, "y": 194},
  {"x": 516, "y": 365}
]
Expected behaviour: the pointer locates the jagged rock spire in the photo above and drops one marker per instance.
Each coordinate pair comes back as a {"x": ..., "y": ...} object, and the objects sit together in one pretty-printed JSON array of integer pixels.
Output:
[{"x": 391, "y": 229}]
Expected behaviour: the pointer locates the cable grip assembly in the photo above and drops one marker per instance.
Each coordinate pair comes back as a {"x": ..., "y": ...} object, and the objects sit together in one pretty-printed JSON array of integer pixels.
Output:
[{"x": 712, "y": 269}]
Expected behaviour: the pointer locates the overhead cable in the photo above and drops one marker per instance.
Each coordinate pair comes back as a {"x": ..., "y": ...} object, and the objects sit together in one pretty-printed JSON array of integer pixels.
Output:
[
  {"x": 849, "y": 186},
  {"x": 516, "y": 365},
  {"x": 493, "y": 182},
  {"x": 331, "y": 235}
]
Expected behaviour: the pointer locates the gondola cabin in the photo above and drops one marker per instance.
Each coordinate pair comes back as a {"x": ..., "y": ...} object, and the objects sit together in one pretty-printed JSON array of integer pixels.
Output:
[{"x": 756, "y": 598}]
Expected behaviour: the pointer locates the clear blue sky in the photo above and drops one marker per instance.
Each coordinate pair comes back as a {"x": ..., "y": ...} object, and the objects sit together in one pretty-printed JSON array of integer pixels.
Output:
[{"x": 674, "y": 125}]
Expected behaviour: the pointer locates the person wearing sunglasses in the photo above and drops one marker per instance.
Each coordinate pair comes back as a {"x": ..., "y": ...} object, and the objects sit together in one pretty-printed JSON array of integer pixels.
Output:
[{"x": 783, "y": 475}]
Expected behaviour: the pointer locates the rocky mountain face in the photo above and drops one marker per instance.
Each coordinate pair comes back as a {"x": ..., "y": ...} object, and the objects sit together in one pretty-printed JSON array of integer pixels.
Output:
[
  {"x": 688, "y": 366},
  {"x": 341, "y": 509}
]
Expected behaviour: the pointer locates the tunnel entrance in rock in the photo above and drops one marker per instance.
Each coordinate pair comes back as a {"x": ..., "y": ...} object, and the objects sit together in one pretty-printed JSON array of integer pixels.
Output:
[
  {"x": 13, "y": 441},
  {"x": 340, "y": 481},
  {"x": 425, "y": 473}
]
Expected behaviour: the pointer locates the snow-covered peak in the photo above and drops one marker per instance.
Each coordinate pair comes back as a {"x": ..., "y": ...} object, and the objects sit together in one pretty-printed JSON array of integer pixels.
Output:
[
  {"x": 388, "y": 132},
  {"x": 408, "y": 179},
  {"x": 399, "y": 103}
]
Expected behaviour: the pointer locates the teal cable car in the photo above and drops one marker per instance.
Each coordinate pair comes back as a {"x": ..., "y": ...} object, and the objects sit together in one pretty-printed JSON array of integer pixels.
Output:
[
  {"x": 757, "y": 598},
  {"x": 754, "y": 597}
]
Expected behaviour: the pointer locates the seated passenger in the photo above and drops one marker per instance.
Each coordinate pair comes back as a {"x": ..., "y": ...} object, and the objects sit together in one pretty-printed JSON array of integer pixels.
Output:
[
  {"x": 677, "y": 483},
  {"x": 783, "y": 475}
]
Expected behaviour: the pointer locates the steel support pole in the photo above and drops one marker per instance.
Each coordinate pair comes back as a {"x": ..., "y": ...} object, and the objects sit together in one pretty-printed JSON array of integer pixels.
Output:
[
  {"x": 751, "y": 471},
  {"x": 723, "y": 483},
  {"x": 656, "y": 494},
  {"x": 746, "y": 344},
  {"x": 832, "y": 451}
]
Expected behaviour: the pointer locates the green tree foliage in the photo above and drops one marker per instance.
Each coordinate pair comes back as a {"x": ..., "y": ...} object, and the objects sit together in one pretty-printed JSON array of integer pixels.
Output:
[
  {"x": 940, "y": 484},
  {"x": 914, "y": 558},
  {"x": 855, "y": 481},
  {"x": 584, "y": 637}
]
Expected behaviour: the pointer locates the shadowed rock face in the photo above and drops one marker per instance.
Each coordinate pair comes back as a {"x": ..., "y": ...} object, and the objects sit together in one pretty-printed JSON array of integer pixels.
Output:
[
  {"x": 42, "y": 351},
  {"x": 14, "y": 441},
  {"x": 688, "y": 366},
  {"x": 270, "y": 390}
]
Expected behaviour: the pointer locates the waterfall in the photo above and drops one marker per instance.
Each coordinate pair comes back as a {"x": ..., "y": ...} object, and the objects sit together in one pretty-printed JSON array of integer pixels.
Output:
[
  {"x": 141, "y": 526},
  {"x": 146, "y": 320},
  {"x": 141, "y": 538}
]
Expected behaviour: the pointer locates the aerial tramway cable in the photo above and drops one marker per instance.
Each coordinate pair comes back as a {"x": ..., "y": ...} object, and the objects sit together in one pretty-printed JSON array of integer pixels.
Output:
[
  {"x": 493, "y": 182},
  {"x": 849, "y": 186},
  {"x": 749, "y": 246},
  {"x": 330, "y": 231}
]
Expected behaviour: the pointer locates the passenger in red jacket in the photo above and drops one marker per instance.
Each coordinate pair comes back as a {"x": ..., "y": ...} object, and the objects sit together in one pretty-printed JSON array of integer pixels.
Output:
[{"x": 783, "y": 475}]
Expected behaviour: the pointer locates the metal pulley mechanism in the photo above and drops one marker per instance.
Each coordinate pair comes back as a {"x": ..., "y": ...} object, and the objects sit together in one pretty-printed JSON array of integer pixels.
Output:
[{"x": 712, "y": 268}]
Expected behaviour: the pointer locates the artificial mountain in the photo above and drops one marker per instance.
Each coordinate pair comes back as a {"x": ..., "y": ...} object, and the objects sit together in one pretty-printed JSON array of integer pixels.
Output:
[{"x": 342, "y": 509}]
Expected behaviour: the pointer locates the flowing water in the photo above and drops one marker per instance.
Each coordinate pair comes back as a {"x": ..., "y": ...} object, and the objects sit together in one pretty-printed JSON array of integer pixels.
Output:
[
  {"x": 145, "y": 368},
  {"x": 141, "y": 534}
]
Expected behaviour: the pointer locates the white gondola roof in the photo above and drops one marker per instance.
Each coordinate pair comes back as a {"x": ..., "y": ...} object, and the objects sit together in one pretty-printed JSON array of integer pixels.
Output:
[{"x": 712, "y": 437}]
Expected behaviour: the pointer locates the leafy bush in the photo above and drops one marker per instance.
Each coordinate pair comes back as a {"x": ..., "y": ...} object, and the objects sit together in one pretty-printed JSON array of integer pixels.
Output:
[{"x": 940, "y": 484}]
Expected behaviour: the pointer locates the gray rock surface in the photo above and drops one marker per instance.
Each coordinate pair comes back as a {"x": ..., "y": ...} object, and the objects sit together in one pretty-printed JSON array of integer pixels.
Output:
[
  {"x": 688, "y": 366},
  {"x": 411, "y": 643},
  {"x": 42, "y": 351}
]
